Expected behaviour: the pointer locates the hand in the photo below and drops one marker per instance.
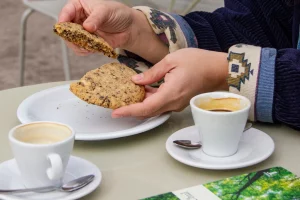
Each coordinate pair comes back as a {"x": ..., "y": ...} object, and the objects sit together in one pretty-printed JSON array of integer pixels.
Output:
[
  {"x": 110, "y": 20},
  {"x": 120, "y": 25},
  {"x": 187, "y": 73}
]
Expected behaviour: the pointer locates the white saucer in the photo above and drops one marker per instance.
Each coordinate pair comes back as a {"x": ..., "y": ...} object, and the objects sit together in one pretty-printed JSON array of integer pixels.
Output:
[
  {"x": 90, "y": 122},
  {"x": 255, "y": 146},
  {"x": 77, "y": 167}
]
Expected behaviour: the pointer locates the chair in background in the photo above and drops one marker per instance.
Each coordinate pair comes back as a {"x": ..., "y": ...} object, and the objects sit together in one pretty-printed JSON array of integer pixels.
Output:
[
  {"x": 188, "y": 9},
  {"x": 50, "y": 8}
]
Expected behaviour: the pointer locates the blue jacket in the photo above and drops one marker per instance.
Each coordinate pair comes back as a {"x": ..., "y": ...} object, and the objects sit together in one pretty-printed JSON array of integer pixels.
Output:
[
  {"x": 261, "y": 38},
  {"x": 264, "y": 23}
]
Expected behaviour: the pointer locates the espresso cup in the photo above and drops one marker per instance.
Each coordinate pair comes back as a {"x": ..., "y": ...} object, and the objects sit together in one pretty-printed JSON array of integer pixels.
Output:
[
  {"x": 42, "y": 151},
  {"x": 220, "y": 118}
]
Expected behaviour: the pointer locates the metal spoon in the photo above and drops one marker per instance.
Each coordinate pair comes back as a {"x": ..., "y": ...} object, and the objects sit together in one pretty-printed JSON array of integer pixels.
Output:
[
  {"x": 188, "y": 144},
  {"x": 67, "y": 187}
]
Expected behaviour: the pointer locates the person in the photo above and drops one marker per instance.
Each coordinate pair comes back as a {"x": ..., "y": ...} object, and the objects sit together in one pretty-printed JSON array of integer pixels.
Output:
[{"x": 249, "y": 47}]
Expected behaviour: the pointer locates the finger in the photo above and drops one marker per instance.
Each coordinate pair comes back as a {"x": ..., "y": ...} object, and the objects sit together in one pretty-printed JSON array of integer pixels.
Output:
[
  {"x": 150, "y": 89},
  {"x": 148, "y": 94},
  {"x": 78, "y": 50},
  {"x": 67, "y": 13},
  {"x": 136, "y": 110},
  {"x": 84, "y": 50},
  {"x": 162, "y": 110},
  {"x": 96, "y": 19},
  {"x": 141, "y": 118},
  {"x": 154, "y": 74},
  {"x": 145, "y": 109},
  {"x": 113, "y": 39},
  {"x": 82, "y": 53},
  {"x": 72, "y": 46}
]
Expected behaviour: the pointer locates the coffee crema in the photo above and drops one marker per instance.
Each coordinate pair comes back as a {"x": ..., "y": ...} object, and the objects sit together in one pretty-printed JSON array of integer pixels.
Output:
[
  {"x": 42, "y": 133},
  {"x": 220, "y": 104},
  {"x": 220, "y": 110}
]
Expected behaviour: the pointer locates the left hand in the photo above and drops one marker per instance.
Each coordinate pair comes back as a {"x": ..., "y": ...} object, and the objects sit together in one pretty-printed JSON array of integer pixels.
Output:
[
  {"x": 187, "y": 72},
  {"x": 119, "y": 25}
]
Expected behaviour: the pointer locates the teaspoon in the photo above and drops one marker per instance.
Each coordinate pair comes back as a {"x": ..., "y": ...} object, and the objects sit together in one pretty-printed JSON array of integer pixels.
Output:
[
  {"x": 67, "y": 187},
  {"x": 188, "y": 144}
]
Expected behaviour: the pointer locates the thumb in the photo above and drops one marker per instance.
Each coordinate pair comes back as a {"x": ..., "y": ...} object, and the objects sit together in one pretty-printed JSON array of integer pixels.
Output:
[
  {"x": 95, "y": 20},
  {"x": 154, "y": 74}
]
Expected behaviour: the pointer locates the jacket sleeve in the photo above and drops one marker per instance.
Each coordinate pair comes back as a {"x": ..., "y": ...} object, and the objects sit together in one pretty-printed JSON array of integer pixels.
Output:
[
  {"x": 270, "y": 78},
  {"x": 262, "y": 23},
  {"x": 257, "y": 22},
  {"x": 172, "y": 29}
]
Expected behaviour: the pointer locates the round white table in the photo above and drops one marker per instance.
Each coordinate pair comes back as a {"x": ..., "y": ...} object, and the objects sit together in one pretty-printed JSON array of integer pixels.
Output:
[{"x": 139, "y": 166}]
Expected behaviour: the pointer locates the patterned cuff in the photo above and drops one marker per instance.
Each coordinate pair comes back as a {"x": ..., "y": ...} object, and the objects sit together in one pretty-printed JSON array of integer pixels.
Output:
[
  {"x": 252, "y": 74},
  {"x": 173, "y": 30}
]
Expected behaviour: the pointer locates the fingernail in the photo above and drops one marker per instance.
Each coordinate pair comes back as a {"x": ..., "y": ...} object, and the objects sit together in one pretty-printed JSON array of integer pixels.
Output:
[
  {"x": 82, "y": 49},
  {"x": 138, "y": 77}
]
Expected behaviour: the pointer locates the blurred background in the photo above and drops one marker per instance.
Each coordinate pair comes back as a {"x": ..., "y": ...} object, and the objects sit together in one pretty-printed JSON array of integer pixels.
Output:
[{"x": 43, "y": 56}]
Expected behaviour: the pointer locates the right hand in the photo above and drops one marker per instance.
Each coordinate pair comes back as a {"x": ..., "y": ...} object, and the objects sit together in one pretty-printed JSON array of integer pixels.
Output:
[
  {"x": 187, "y": 73},
  {"x": 110, "y": 20}
]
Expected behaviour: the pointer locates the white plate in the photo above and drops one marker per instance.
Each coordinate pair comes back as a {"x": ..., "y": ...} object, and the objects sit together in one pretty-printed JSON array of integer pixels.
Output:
[
  {"x": 90, "y": 122},
  {"x": 255, "y": 146},
  {"x": 77, "y": 167}
]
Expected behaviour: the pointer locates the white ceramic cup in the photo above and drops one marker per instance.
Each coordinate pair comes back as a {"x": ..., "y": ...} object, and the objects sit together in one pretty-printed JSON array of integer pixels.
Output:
[
  {"x": 42, "y": 151},
  {"x": 220, "y": 132}
]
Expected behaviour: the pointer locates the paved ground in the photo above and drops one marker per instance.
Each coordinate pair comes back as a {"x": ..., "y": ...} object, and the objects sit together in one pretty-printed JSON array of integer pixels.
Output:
[{"x": 43, "y": 57}]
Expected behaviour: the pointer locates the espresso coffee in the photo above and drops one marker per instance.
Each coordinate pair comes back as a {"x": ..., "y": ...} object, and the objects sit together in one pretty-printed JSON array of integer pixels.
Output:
[
  {"x": 42, "y": 133},
  {"x": 220, "y": 104}
]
